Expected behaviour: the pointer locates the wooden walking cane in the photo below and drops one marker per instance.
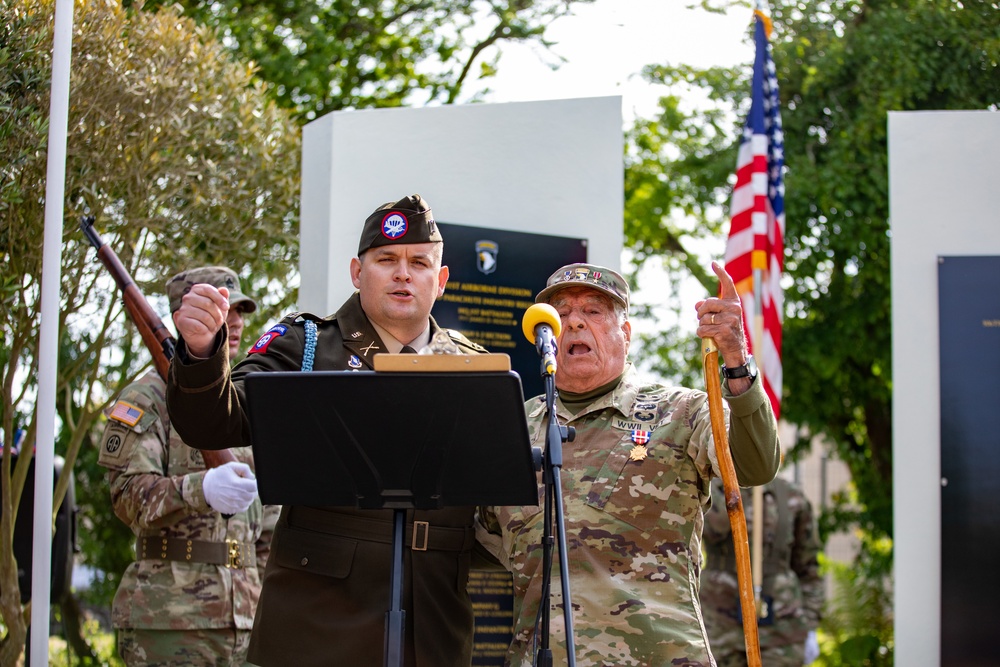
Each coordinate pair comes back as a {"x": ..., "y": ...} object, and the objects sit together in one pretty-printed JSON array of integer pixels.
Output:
[{"x": 734, "y": 502}]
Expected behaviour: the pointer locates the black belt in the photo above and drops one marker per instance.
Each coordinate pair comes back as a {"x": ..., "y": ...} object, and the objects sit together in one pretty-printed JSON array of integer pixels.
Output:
[
  {"x": 418, "y": 535},
  {"x": 231, "y": 553}
]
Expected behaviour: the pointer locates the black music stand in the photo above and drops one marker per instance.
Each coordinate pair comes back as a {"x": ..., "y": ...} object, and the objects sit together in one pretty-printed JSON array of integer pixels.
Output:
[{"x": 391, "y": 440}]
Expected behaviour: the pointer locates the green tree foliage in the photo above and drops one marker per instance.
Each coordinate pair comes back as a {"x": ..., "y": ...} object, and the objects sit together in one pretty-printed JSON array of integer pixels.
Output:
[
  {"x": 841, "y": 66},
  {"x": 325, "y": 55},
  {"x": 184, "y": 161}
]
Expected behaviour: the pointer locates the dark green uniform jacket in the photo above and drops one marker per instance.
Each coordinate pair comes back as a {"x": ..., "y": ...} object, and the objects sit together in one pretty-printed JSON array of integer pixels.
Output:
[{"x": 326, "y": 588}]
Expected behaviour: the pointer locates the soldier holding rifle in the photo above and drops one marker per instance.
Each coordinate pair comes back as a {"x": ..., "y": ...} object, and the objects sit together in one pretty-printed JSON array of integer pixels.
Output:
[
  {"x": 635, "y": 481},
  {"x": 202, "y": 536}
]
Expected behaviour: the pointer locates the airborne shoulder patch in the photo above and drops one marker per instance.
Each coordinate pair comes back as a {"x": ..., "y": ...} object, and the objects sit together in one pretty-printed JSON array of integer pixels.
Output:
[{"x": 260, "y": 347}]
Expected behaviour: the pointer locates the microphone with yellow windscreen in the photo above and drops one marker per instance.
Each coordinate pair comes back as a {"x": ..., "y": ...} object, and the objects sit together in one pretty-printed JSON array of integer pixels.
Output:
[{"x": 541, "y": 326}]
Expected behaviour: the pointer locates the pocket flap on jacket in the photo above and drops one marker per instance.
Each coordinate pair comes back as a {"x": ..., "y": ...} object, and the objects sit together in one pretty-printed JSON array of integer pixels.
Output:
[{"x": 308, "y": 551}]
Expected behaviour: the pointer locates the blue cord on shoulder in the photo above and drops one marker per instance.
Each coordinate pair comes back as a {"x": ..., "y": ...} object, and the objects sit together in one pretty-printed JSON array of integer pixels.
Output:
[{"x": 309, "y": 354}]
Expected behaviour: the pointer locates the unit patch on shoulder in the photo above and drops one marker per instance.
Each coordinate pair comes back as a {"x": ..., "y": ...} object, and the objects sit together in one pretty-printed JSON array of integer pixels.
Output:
[
  {"x": 264, "y": 341},
  {"x": 126, "y": 413}
]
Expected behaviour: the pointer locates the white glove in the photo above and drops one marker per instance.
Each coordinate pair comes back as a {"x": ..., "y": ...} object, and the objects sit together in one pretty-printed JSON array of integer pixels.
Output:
[
  {"x": 230, "y": 488},
  {"x": 812, "y": 647}
]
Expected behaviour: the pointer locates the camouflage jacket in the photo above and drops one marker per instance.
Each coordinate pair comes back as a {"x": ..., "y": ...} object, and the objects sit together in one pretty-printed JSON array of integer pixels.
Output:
[
  {"x": 792, "y": 583},
  {"x": 633, "y": 523},
  {"x": 156, "y": 490}
]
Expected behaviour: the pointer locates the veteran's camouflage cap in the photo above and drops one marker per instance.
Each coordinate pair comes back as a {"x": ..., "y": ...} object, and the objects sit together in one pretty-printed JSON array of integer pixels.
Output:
[
  {"x": 217, "y": 276},
  {"x": 409, "y": 220},
  {"x": 586, "y": 275}
]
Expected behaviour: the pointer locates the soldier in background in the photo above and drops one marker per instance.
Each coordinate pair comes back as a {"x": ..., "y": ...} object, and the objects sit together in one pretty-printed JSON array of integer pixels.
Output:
[
  {"x": 635, "y": 482},
  {"x": 202, "y": 536},
  {"x": 792, "y": 588}
]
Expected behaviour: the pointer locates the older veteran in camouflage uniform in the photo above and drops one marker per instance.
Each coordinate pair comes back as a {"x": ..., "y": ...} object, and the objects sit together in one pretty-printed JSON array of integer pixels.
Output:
[
  {"x": 326, "y": 590},
  {"x": 635, "y": 482},
  {"x": 201, "y": 535},
  {"x": 792, "y": 586}
]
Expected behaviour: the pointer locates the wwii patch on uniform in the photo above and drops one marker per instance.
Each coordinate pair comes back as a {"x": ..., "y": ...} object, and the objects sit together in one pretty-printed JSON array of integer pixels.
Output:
[
  {"x": 624, "y": 424},
  {"x": 264, "y": 341},
  {"x": 126, "y": 413}
]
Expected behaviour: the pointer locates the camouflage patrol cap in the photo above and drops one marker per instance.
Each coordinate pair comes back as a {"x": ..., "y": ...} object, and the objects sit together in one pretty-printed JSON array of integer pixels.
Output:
[
  {"x": 217, "y": 276},
  {"x": 409, "y": 220},
  {"x": 586, "y": 275}
]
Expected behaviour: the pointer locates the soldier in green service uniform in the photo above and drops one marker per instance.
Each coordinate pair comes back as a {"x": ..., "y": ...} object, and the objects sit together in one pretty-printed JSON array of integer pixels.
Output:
[
  {"x": 792, "y": 586},
  {"x": 635, "y": 482},
  {"x": 326, "y": 589},
  {"x": 201, "y": 535}
]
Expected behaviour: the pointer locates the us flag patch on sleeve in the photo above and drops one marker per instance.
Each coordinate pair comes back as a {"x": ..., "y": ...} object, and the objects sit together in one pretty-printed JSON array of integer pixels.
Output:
[{"x": 126, "y": 413}]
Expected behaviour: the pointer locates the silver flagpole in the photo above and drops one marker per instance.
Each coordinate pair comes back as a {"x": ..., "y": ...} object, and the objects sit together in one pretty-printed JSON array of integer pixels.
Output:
[{"x": 48, "y": 345}]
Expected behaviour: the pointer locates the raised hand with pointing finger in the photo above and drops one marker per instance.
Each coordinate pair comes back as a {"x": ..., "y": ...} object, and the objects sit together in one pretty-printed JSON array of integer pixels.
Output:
[{"x": 721, "y": 318}]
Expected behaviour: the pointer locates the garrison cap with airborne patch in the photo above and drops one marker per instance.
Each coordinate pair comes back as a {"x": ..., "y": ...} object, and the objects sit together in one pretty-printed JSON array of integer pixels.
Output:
[{"x": 409, "y": 220}]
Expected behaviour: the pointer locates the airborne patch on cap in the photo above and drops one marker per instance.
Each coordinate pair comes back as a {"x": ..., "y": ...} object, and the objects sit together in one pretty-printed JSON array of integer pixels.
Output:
[{"x": 394, "y": 225}]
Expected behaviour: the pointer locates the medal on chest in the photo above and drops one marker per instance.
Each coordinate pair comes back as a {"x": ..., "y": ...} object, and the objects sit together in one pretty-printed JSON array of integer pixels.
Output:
[{"x": 639, "y": 450}]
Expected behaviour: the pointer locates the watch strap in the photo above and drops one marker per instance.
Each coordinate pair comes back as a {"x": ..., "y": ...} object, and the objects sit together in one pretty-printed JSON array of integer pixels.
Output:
[{"x": 749, "y": 369}]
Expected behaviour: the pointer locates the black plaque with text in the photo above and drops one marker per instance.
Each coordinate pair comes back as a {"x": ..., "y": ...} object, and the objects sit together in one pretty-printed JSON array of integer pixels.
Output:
[
  {"x": 969, "y": 312},
  {"x": 494, "y": 277}
]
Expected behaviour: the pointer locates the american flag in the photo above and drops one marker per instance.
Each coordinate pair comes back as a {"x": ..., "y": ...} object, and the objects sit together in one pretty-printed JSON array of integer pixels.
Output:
[
  {"x": 755, "y": 250},
  {"x": 126, "y": 413}
]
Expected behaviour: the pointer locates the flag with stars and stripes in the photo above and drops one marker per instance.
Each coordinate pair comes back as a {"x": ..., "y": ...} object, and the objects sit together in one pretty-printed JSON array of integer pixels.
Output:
[{"x": 755, "y": 249}]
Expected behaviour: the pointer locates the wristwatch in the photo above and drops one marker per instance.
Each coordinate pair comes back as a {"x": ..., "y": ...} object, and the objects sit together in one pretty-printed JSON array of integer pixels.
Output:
[{"x": 747, "y": 370}]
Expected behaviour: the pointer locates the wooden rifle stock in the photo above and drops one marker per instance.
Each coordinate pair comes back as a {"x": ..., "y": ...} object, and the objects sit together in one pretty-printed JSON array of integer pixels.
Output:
[{"x": 155, "y": 335}]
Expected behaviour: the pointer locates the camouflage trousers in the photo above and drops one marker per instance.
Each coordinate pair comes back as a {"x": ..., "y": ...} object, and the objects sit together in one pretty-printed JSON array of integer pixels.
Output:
[
  {"x": 775, "y": 656},
  {"x": 209, "y": 647}
]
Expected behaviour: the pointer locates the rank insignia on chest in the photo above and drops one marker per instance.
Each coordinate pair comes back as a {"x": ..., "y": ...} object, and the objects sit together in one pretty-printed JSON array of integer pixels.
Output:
[{"x": 638, "y": 453}]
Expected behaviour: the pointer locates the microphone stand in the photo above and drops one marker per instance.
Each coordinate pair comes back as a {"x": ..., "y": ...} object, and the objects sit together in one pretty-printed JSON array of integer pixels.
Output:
[{"x": 552, "y": 461}]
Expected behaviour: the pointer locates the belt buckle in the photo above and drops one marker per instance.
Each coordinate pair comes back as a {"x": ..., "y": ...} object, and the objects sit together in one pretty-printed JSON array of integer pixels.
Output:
[
  {"x": 426, "y": 533},
  {"x": 234, "y": 559}
]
